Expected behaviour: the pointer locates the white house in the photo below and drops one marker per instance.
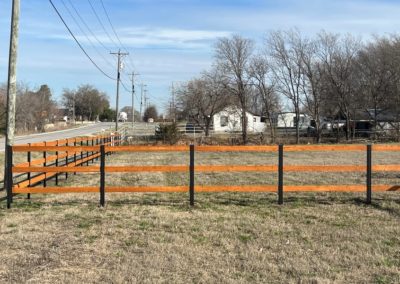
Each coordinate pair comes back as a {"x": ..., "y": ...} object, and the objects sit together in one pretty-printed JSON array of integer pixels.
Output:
[{"x": 229, "y": 120}]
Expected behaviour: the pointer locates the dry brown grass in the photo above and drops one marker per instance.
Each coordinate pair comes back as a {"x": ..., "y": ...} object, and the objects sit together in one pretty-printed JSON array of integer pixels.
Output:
[{"x": 226, "y": 237}]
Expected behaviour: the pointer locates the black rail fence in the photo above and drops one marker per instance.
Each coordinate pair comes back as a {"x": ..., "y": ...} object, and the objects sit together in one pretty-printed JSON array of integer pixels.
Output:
[
  {"x": 66, "y": 159},
  {"x": 104, "y": 147}
]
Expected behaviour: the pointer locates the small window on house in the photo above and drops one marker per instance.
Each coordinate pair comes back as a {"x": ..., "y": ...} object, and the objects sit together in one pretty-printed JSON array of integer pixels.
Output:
[
  {"x": 224, "y": 121},
  {"x": 254, "y": 119},
  {"x": 263, "y": 119}
]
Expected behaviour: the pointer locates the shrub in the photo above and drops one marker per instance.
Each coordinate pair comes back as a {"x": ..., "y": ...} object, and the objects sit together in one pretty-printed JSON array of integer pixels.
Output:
[{"x": 169, "y": 133}]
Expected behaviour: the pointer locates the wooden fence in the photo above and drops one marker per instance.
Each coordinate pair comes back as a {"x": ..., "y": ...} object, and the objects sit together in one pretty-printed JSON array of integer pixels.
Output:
[
  {"x": 101, "y": 150},
  {"x": 54, "y": 157}
]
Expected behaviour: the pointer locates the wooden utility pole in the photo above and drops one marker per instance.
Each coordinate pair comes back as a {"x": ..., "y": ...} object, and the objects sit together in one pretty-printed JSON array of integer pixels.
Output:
[
  {"x": 142, "y": 86},
  {"x": 173, "y": 102},
  {"x": 120, "y": 54},
  {"x": 11, "y": 97},
  {"x": 133, "y": 97}
]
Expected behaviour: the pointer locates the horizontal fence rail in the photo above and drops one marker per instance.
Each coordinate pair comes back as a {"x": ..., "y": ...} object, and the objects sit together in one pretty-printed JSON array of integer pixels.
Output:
[
  {"x": 60, "y": 156},
  {"x": 100, "y": 150}
]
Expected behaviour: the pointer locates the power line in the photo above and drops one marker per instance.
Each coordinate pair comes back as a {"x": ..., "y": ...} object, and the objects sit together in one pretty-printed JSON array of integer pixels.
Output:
[
  {"x": 78, "y": 43},
  {"x": 101, "y": 23},
  {"x": 84, "y": 33},
  {"x": 115, "y": 33},
  {"x": 87, "y": 26}
]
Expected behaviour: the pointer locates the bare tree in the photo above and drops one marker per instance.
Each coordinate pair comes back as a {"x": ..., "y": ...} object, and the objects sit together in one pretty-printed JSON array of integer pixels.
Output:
[
  {"x": 377, "y": 77},
  {"x": 260, "y": 72},
  {"x": 313, "y": 87},
  {"x": 233, "y": 55},
  {"x": 34, "y": 108},
  {"x": 338, "y": 56},
  {"x": 3, "y": 107},
  {"x": 202, "y": 98},
  {"x": 286, "y": 52},
  {"x": 150, "y": 112},
  {"x": 89, "y": 102}
]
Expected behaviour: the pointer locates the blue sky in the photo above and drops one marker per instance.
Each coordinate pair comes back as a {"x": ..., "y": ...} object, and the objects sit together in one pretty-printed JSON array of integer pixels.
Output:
[{"x": 168, "y": 41}]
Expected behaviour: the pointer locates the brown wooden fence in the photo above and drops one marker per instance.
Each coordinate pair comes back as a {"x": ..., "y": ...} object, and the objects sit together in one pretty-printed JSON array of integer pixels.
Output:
[
  {"x": 54, "y": 156},
  {"x": 101, "y": 149}
]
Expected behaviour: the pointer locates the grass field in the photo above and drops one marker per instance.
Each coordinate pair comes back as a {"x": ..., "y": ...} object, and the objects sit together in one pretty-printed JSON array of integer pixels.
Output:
[{"x": 226, "y": 237}]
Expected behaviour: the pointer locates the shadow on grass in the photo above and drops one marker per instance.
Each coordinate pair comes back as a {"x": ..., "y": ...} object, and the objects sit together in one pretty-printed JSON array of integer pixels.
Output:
[
  {"x": 218, "y": 201},
  {"x": 381, "y": 204}
]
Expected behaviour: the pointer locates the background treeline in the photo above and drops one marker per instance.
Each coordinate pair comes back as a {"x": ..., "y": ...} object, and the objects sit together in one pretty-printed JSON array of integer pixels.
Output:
[
  {"x": 36, "y": 107},
  {"x": 326, "y": 76}
]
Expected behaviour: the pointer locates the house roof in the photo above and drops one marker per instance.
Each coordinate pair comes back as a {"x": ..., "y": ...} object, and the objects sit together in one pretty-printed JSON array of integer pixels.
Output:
[{"x": 370, "y": 115}]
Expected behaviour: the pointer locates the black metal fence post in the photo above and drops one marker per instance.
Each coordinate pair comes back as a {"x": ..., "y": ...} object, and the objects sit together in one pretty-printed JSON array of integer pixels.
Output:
[
  {"x": 9, "y": 176},
  {"x": 74, "y": 156},
  {"x": 57, "y": 163},
  {"x": 29, "y": 173},
  {"x": 102, "y": 175},
  {"x": 66, "y": 160},
  {"x": 44, "y": 165},
  {"x": 97, "y": 143},
  {"x": 92, "y": 152},
  {"x": 191, "y": 182},
  {"x": 87, "y": 153},
  {"x": 369, "y": 174},
  {"x": 280, "y": 175}
]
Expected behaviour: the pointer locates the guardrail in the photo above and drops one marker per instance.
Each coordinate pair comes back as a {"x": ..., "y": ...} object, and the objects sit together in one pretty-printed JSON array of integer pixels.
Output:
[{"x": 279, "y": 168}]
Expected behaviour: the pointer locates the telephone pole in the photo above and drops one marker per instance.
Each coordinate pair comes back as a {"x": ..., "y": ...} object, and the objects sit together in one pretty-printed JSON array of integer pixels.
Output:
[
  {"x": 142, "y": 86},
  {"x": 120, "y": 54},
  {"x": 173, "y": 102},
  {"x": 11, "y": 97},
  {"x": 133, "y": 98}
]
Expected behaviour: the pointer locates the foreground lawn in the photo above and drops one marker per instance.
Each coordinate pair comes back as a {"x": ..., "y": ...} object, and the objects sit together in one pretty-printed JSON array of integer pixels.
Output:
[{"x": 225, "y": 238}]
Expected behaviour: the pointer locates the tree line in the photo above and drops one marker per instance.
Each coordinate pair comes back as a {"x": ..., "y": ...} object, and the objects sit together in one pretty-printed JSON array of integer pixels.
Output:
[
  {"x": 325, "y": 76},
  {"x": 36, "y": 107}
]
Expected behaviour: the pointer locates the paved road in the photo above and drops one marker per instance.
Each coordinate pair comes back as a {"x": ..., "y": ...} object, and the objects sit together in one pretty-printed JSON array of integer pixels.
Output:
[{"x": 50, "y": 136}]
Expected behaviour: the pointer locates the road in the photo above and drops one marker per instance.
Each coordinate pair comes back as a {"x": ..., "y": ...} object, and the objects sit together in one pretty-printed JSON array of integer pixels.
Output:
[{"x": 62, "y": 134}]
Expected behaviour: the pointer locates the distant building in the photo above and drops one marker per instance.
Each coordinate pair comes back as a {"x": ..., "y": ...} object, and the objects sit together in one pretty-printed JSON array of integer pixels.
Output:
[
  {"x": 230, "y": 120},
  {"x": 288, "y": 120},
  {"x": 123, "y": 116}
]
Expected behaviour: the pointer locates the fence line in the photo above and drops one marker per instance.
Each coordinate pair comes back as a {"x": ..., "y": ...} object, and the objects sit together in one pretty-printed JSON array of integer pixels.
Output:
[
  {"x": 52, "y": 166},
  {"x": 110, "y": 146}
]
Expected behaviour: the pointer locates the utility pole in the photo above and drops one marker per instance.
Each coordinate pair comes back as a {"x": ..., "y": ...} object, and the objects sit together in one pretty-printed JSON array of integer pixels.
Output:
[
  {"x": 11, "y": 95},
  {"x": 142, "y": 86},
  {"x": 133, "y": 97},
  {"x": 73, "y": 110},
  {"x": 146, "y": 100},
  {"x": 173, "y": 102},
  {"x": 120, "y": 54}
]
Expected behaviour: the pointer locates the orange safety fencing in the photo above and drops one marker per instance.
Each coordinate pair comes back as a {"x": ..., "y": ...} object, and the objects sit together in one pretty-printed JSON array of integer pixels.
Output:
[{"x": 100, "y": 150}]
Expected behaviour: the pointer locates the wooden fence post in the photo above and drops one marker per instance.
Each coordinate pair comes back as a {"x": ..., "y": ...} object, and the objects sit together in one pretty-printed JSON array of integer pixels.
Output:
[
  {"x": 280, "y": 175},
  {"x": 102, "y": 175},
  {"x": 369, "y": 174},
  {"x": 191, "y": 181},
  {"x": 9, "y": 177}
]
